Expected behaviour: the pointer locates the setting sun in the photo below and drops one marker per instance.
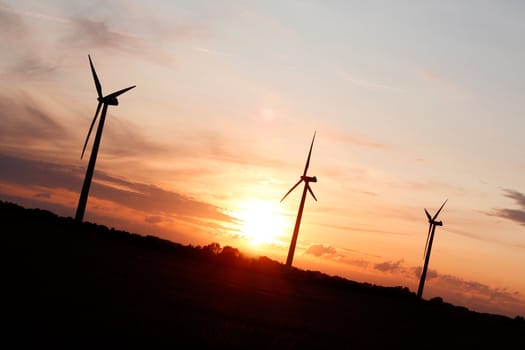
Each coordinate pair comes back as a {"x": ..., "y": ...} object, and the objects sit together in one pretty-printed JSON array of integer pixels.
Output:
[{"x": 260, "y": 222}]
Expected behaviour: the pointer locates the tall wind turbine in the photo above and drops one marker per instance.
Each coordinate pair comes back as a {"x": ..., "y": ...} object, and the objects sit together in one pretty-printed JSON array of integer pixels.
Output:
[
  {"x": 307, "y": 180},
  {"x": 104, "y": 102},
  {"x": 428, "y": 247}
]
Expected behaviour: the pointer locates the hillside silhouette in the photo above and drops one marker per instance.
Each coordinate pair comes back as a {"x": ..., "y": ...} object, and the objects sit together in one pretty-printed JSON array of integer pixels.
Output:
[{"x": 84, "y": 285}]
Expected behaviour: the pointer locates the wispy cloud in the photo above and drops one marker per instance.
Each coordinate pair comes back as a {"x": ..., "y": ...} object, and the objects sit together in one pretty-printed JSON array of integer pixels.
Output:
[
  {"x": 440, "y": 79},
  {"x": 208, "y": 51},
  {"x": 25, "y": 120},
  {"x": 338, "y": 136},
  {"x": 368, "y": 84},
  {"x": 14, "y": 12},
  {"x": 29, "y": 122},
  {"x": 516, "y": 215},
  {"x": 11, "y": 24},
  {"x": 93, "y": 33},
  {"x": 18, "y": 45},
  {"x": 86, "y": 33}
]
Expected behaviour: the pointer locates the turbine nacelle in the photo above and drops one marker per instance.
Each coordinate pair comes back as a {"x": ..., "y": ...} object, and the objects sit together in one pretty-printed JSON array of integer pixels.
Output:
[
  {"x": 112, "y": 101},
  {"x": 309, "y": 178}
]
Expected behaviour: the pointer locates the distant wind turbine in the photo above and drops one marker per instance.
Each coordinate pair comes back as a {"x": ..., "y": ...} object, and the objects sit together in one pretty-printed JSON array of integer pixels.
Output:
[
  {"x": 428, "y": 246},
  {"x": 307, "y": 180},
  {"x": 103, "y": 101}
]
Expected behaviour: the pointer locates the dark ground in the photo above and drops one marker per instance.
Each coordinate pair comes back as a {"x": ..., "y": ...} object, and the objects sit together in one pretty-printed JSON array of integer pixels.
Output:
[{"x": 84, "y": 285}]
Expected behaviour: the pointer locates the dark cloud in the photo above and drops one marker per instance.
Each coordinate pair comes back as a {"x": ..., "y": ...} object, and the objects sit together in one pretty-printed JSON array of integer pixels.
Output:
[
  {"x": 389, "y": 266},
  {"x": 516, "y": 215},
  {"x": 416, "y": 271},
  {"x": 138, "y": 196},
  {"x": 151, "y": 198},
  {"x": 25, "y": 172},
  {"x": 517, "y": 196},
  {"x": 45, "y": 195}
]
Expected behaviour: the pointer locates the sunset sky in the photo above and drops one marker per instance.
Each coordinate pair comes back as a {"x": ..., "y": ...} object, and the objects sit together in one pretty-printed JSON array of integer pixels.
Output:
[{"x": 413, "y": 102}]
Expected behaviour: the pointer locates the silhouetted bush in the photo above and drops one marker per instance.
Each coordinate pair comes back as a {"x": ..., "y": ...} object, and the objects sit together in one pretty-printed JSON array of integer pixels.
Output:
[{"x": 436, "y": 301}]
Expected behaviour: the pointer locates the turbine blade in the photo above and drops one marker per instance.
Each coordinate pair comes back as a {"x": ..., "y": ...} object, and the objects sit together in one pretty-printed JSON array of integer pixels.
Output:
[
  {"x": 90, "y": 128},
  {"x": 309, "y": 155},
  {"x": 311, "y": 192},
  {"x": 95, "y": 77},
  {"x": 442, "y": 205},
  {"x": 428, "y": 215},
  {"x": 120, "y": 92},
  {"x": 428, "y": 237},
  {"x": 291, "y": 189}
]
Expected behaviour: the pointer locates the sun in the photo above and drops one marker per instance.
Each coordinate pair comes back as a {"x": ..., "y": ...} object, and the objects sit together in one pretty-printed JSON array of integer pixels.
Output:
[{"x": 260, "y": 222}]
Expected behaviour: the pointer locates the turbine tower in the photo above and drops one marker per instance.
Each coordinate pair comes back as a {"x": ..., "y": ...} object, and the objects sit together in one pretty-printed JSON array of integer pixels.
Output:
[
  {"x": 428, "y": 247},
  {"x": 307, "y": 180},
  {"x": 104, "y": 102}
]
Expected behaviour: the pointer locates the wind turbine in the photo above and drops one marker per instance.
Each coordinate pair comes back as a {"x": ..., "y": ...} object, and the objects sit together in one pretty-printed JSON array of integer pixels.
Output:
[
  {"x": 104, "y": 102},
  {"x": 428, "y": 247},
  {"x": 307, "y": 180}
]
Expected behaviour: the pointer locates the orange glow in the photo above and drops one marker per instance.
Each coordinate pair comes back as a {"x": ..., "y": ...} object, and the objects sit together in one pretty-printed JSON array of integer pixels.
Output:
[{"x": 260, "y": 222}]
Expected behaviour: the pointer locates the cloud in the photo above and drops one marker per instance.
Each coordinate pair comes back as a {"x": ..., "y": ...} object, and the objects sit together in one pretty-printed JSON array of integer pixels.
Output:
[
  {"x": 33, "y": 66},
  {"x": 354, "y": 140},
  {"x": 211, "y": 144},
  {"x": 369, "y": 84},
  {"x": 141, "y": 197},
  {"x": 321, "y": 250},
  {"x": 389, "y": 266},
  {"x": 21, "y": 29},
  {"x": 45, "y": 195},
  {"x": 443, "y": 81},
  {"x": 416, "y": 271},
  {"x": 92, "y": 33},
  {"x": 11, "y": 24},
  {"x": 350, "y": 228},
  {"x": 153, "y": 219},
  {"x": 27, "y": 123},
  {"x": 19, "y": 48},
  {"x": 479, "y": 296},
  {"x": 24, "y": 120},
  {"x": 516, "y": 215},
  {"x": 125, "y": 139}
]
